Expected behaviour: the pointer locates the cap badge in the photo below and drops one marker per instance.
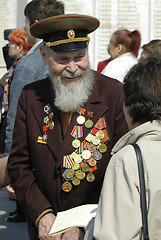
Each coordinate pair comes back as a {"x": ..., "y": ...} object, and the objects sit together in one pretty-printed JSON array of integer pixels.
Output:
[{"x": 71, "y": 34}]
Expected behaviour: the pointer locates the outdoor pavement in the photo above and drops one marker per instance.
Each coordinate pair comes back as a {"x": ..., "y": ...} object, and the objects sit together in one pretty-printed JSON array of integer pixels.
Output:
[{"x": 10, "y": 230}]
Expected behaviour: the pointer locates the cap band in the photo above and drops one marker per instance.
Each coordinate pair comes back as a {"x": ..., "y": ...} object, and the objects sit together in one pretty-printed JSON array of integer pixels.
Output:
[{"x": 55, "y": 43}]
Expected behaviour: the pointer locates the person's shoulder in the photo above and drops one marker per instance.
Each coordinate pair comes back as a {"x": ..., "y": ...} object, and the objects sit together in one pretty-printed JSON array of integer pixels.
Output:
[
  {"x": 121, "y": 158},
  {"x": 30, "y": 59},
  {"x": 40, "y": 84},
  {"x": 106, "y": 82}
]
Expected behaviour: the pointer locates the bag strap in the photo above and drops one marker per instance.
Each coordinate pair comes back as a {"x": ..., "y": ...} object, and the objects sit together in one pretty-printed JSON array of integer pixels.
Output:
[{"x": 142, "y": 191}]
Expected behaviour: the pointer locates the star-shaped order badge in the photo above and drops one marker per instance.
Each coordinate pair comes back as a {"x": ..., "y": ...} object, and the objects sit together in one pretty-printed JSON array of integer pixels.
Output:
[{"x": 49, "y": 124}]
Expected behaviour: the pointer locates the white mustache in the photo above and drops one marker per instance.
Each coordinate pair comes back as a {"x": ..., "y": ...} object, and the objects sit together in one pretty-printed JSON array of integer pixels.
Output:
[{"x": 67, "y": 74}]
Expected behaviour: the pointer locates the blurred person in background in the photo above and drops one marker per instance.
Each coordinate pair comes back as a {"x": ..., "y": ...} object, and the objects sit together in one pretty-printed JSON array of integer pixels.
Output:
[
  {"x": 151, "y": 49},
  {"x": 8, "y": 59},
  {"x": 18, "y": 47},
  {"x": 123, "y": 47},
  {"x": 31, "y": 68}
]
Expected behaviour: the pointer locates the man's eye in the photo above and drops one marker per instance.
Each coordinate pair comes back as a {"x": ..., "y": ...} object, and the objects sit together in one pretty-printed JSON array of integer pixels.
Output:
[
  {"x": 78, "y": 58},
  {"x": 63, "y": 60}
]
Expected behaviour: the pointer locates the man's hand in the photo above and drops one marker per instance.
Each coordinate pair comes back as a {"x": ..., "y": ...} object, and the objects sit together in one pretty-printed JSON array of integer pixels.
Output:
[
  {"x": 73, "y": 234},
  {"x": 44, "y": 226}
]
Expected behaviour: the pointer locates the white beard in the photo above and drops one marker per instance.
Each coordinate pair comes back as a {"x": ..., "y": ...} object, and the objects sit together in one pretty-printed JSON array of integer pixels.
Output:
[{"x": 71, "y": 98}]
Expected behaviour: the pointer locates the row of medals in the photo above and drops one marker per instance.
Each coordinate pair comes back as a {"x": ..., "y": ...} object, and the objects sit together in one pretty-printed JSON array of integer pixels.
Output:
[{"x": 85, "y": 159}]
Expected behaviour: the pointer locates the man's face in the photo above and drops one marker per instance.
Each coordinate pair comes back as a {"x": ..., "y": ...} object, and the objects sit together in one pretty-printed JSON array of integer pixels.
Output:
[
  {"x": 71, "y": 77},
  {"x": 30, "y": 38},
  {"x": 112, "y": 48},
  {"x": 14, "y": 50},
  {"x": 66, "y": 64}
]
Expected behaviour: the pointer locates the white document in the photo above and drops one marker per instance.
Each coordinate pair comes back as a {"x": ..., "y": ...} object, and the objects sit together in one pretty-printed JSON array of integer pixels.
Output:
[{"x": 75, "y": 217}]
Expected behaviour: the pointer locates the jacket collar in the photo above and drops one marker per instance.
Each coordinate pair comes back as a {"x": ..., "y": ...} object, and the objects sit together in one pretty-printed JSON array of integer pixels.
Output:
[{"x": 148, "y": 130}]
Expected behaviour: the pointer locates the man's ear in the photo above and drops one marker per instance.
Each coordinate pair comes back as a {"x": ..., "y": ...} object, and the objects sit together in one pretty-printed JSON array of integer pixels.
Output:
[
  {"x": 43, "y": 54},
  {"x": 119, "y": 48}
]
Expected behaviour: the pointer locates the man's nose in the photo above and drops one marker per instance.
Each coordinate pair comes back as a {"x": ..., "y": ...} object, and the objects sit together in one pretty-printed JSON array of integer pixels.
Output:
[{"x": 72, "y": 67}]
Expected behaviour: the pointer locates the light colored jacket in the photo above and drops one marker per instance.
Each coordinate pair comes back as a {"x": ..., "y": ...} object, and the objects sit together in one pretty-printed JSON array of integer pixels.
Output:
[
  {"x": 119, "y": 67},
  {"x": 119, "y": 214}
]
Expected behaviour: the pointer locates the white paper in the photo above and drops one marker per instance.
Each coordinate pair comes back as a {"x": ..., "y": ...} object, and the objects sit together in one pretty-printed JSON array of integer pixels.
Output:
[{"x": 76, "y": 217}]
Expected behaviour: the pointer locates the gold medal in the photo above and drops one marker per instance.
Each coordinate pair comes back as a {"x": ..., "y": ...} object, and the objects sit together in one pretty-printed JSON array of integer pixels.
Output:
[
  {"x": 67, "y": 186},
  {"x": 96, "y": 141},
  {"x": 86, "y": 154},
  {"x": 102, "y": 148},
  {"x": 75, "y": 166},
  {"x": 85, "y": 167},
  {"x": 81, "y": 119},
  {"x": 92, "y": 162},
  {"x": 77, "y": 158},
  {"x": 69, "y": 173},
  {"x": 88, "y": 123},
  {"x": 100, "y": 134},
  {"x": 76, "y": 143},
  {"x": 76, "y": 181},
  {"x": 90, "y": 177},
  {"x": 80, "y": 175}
]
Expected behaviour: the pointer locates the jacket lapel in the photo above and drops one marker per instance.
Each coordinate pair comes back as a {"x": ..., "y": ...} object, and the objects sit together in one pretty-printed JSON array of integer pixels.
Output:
[{"x": 54, "y": 136}]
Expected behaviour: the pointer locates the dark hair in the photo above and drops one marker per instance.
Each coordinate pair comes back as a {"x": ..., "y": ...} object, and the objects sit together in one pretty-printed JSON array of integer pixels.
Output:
[
  {"x": 153, "y": 48},
  {"x": 40, "y": 9},
  {"x": 142, "y": 91},
  {"x": 131, "y": 40}
]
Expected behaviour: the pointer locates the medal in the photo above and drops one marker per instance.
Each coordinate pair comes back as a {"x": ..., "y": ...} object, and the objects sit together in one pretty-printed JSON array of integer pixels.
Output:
[
  {"x": 102, "y": 148},
  {"x": 92, "y": 162},
  {"x": 88, "y": 123},
  {"x": 77, "y": 158},
  {"x": 76, "y": 181},
  {"x": 97, "y": 155},
  {"x": 100, "y": 134},
  {"x": 85, "y": 167},
  {"x": 69, "y": 173},
  {"x": 96, "y": 141},
  {"x": 80, "y": 119},
  {"x": 86, "y": 154},
  {"x": 90, "y": 177},
  {"x": 80, "y": 175},
  {"x": 50, "y": 125},
  {"x": 75, "y": 166},
  {"x": 67, "y": 186},
  {"x": 91, "y": 147},
  {"x": 76, "y": 143}
]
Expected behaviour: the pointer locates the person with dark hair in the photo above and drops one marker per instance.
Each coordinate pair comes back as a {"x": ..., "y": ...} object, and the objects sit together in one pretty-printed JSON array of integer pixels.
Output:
[
  {"x": 123, "y": 47},
  {"x": 119, "y": 210},
  {"x": 31, "y": 68},
  {"x": 65, "y": 128},
  {"x": 151, "y": 49}
]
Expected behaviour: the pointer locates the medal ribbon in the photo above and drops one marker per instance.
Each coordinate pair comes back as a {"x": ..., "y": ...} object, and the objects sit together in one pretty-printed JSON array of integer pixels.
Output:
[
  {"x": 90, "y": 114},
  {"x": 77, "y": 132},
  {"x": 67, "y": 161},
  {"x": 101, "y": 123},
  {"x": 81, "y": 111}
]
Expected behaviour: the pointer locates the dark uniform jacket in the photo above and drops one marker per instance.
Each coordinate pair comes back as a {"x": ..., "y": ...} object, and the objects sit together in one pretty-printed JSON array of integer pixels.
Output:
[{"x": 36, "y": 169}]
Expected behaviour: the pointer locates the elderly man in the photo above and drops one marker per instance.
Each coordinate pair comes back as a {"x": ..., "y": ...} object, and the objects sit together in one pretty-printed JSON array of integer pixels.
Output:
[{"x": 65, "y": 128}]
